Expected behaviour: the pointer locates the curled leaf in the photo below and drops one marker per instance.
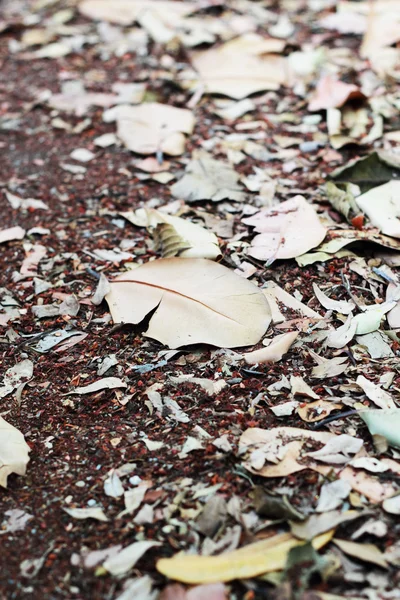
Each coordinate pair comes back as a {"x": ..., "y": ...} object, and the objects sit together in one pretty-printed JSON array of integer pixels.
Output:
[{"x": 274, "y": 352}]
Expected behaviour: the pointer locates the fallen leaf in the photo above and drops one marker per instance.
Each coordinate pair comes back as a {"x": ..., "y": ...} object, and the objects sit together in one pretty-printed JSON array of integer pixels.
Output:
[
  {"x": 14, "y": 452},
  {"x": 392, "y": 505},
  {"x": 328, "y": 367},
  {"x": 208, "y": 179},
  {"x": 383, "y": 422},
  {"x": 25, "y": 203},
  {"x": 274, "y": 351},
  {"x": 369, "y": 171},
  {"x": 319, "y": 524},
  {"x": 338, "y": 449},
  {"x": 300, "y": 388},
  {"x": 126, "y": 559},
  {"x": 342, "y": 306},
  {"x": 369, "y": 464},
  {"x": 375, "y": 393},
  {"x": 107, "y": 383},
  {"x": 339, "y": 338},
  {"x": 255, "y": 559},
  {"x": 235, "y": 70},
  {"x": 274, "y": 293},
  {"x": 152, "y": 127},
  {"x": 367, "y": 552},
  {"x": 382, "y": 206},
  {"x": 316, "y": 411},
  {"x": 282, "y": 230},
  {"x": 274, "y": 506},
  {"x": 126, "y": 12},
  {"x": 332, "y": 93},
  {"x": 95, "y": 512},
  {"x": 332, "y": 495},
  {"x": 175, "y": 236},
  {"x": 343, "y": 200},
  {"x": 210, "y": 591},
  {"x": 11, "y": 234},
  {"x": 196, "y": 300},
  {"x": 212, "y": 388},
  {"x": 16, "y": 520}
]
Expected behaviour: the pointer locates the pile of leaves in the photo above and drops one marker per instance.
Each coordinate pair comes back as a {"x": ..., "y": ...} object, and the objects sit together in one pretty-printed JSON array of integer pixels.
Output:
[{"x": 200, "y": 299}]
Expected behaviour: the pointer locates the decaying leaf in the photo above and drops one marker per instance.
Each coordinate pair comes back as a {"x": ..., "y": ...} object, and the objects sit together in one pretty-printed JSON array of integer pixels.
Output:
[
  {"x": 328, "y": 367},
  {"x": 208, "y": 179},
  {"x": 282, "y": 230},
  {"x": 196, "y": 301},
  {"x": 300, "y": 388},
  {"x": 175, "y": 236},
  {"x": 235, "y": 69},
  {"x": 274, "y": 506},
  {"x": 338, "y": 449},
  {"x": 274, "y": 351},
  {"x": 152, "y": 127},
  {"x": 332, "y": 495},
  {"x": 274, "y": 294},
  {"x": 367, "y": 172},
  {"x": 316, "y": 411},
  {"x": 14, "y": 452},
  {"x": 252, "y": 560},
  {"x": 343, "y": 200}
]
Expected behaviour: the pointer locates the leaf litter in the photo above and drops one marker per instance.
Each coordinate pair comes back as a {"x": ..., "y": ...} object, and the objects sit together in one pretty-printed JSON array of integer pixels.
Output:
[{"x": 198, "y": 450}]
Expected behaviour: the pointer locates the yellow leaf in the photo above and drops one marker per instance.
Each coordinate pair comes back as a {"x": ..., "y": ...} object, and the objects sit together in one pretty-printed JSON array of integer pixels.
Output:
[{"x": 252, "y": 560}]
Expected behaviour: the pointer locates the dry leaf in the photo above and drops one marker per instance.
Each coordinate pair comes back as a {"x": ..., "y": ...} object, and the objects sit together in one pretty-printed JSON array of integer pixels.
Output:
[
  {"x": 392, "y": 505},
  {"x": 14, "y": 452},
  {"x": 107, "y": 383},
  {"x": 315, "y": 411},
  {"x": 126, "y": 559},
  {"x": 153, "y": 127},
  {"x": 274, "y": 351},
  {"x": 126, "y": 12},
  {"x": 343, "y": 335},
  {"x": 208, "y": 179},
  {"x": 196, "y": 301},
  {"x": 342, "y": 306},
  {"x": 12, "y": 233},
  {"x": 210, "y": 591},
  {"x": 93, "y": 512},
  {"x": 332, "y": 93},
  {"x": 367, "y": 552},
  {"x": 318, "y": 524},
  {"x": 332, "y": 495},
  {"x": 328, "y": 367},
  {"x": 338, "y": 449},
  {"x": 274, "y": 293},
  {"x": 282, "y": 230},
  {"x": 382, "y": 206},
  {"x": 300, "y": 388},
  {"x": 212, "y": 388},
  {"x": 375, "y": 393},
  {"x": 235, "y": 70},
  {"x": 174, "y": 236},
  {"x": 255, "y": 559}
]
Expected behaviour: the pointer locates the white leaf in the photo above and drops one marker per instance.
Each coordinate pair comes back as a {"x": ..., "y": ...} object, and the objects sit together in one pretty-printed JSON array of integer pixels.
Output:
[
  {"x": 339, "y": 305},
  {"x": 12, "y": 233},
  {"x": 282, "y": 230},
  {"x": 107, "y": 383},
  {"x": 375, "y": 393},
  {"x": 381, "y": 204},
  {"x": 343, "y": 335},
  {"x": 126, "y": 12},
  {"x": 196, "y": 301},
  {"x": 94, "y": 512},
  {"x": 300, "y": 388},
  {"x": 14, "y": 452},
  {"x": 113, "y": 486},
  {"x": 373, "y": 465},
  {"x": 274, "y": 351},
  {"x": 127, "y": 558},
  {"x": 392, "y": 505},
  {"x": 103, "y": 288},
  {"x": 332, "y": 495},
  {"x": 337, "y": 450}
]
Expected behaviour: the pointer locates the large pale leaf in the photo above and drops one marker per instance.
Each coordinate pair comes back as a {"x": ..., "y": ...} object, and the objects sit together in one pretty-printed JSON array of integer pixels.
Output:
[
  {"x": 252, "y": 560},
  {"x": 382, "y": 207},
  {"x": 282, "y": 230},
  {"x": 14, "y": 452},
  {"x": 175, "y": 236},
  {"x": 153, "y": 127},
  {"x": 383, "y": 422},
  {"x": 236, "y": 69},
  {"x": 126, "y": 12},
  {"x": 196, "y": 301},
  {"x": 208, "y": 179}
]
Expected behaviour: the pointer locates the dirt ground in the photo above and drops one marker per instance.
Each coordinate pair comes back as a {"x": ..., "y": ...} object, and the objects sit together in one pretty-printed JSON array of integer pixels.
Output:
[{"x": 76, "y": 440}]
